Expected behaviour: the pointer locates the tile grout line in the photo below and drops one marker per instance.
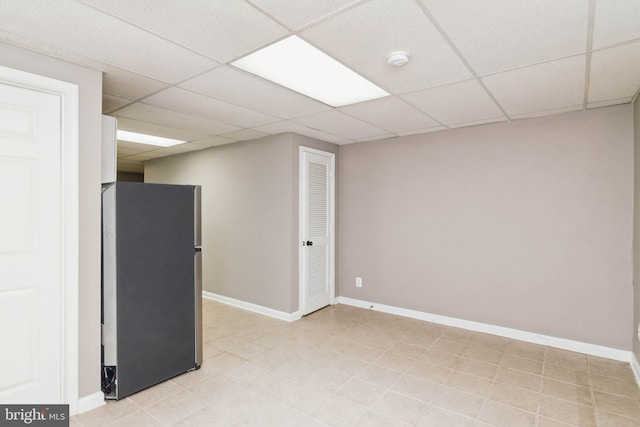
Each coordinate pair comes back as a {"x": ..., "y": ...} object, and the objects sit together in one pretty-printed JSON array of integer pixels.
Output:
[
  {"x": 544, "y": 365},
  {"x": 592, "y": 393}
]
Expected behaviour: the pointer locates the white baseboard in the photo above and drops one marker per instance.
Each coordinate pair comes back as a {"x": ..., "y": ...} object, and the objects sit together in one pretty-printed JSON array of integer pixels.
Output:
[
  {"x": 562, "y": 343},
  {"x": 289, "y": 317},
  {"x": 635, "y": 367},
  {"x": 90, "y": 402}
]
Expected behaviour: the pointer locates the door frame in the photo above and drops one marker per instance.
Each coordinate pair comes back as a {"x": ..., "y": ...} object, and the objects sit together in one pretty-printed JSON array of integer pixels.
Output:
[
  {"x": 302, "y": 194},
  {"x": 69, "y": 185}
]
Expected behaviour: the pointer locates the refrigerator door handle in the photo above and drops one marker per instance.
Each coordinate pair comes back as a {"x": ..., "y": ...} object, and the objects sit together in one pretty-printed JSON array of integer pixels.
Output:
[
  {"x": 198, "y": 305},
  {"x": 197, "y": 215}
]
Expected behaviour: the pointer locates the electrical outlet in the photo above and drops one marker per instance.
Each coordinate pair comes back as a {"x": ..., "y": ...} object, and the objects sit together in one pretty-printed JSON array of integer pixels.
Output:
[{"x": 358, "y": 282}]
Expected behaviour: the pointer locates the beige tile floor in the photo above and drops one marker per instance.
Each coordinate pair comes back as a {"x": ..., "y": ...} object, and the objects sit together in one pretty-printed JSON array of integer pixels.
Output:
[{"x": 344, "y": 366}]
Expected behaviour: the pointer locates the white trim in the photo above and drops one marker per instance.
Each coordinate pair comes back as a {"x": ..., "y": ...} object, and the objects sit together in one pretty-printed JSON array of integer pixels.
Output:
[
  {"x": 289, "y": 317},
  {"x": 92, "y": 401},
  {"x": 301, "y": 235},
  {"x": 532, "y": 337},
  {"x": 69, "y": 99},
  {"x": 635, "y": 367}
]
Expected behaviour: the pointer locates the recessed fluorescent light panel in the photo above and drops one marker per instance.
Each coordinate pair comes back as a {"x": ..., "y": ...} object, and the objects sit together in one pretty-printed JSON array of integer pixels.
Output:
[
  {"x": 141, "y": 138},
  {"x": 295, "y": 64}
]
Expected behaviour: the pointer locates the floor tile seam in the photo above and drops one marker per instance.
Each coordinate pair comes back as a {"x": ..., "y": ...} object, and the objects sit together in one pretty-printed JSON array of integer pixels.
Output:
[
  {"x": 389, "y": 390},
  {"x": 584, "y": 371},
  {"x": 528, "y": 411},
  {"x": 306, "y": 413},
  {"x": 476, "y": 418},
  {"x": 637, "y": 420},
  {"x": 382, "y": 367},
  {"x": 115, "y": 420},
  {"x": 567, "y": 400},
  {"x": 539, "y": 393},
  {"x": 445, "y": 385},
  {"x": 404, "y": 394},
  {"x": 492, "y": 380},
  {"x": 515, "y": 407},
  {"x": 629, "y": 381},
  {"x": 573, "y": 402},
  {"x": 392, "y": 418},
  {"x": 481, "y": 361},
  {"x": 565, "y": 422},
  {"x": 177, "y": 420},
  {"x": 483, "y": 406},
  {"x": 541, "y": 376},
  {"x": 160, "y": 421},
  {"x": 586, "y": 387},
  {"x": 616, "y": 394}
]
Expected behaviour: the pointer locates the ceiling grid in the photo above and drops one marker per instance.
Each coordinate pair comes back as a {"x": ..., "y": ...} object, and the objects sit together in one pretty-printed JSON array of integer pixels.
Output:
[{"x": 167, "y": 69}]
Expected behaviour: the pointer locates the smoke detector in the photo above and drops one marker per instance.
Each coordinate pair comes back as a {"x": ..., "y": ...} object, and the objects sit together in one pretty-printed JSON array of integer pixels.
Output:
[{"x": 397, "y": 58}]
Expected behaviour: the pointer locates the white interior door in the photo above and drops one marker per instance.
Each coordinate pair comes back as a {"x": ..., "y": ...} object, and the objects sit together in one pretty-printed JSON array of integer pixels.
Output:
[
  {"x": 317, "y": 189},
  {"x": 30, "y": 246}
]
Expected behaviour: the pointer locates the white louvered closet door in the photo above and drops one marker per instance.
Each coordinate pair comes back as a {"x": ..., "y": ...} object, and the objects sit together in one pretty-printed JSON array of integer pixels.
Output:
[{"x": 316, "y": 217}]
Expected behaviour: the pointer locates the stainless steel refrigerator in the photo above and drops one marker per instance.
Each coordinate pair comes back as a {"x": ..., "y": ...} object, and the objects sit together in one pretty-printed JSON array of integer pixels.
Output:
[{"x": 151, "y": 285}]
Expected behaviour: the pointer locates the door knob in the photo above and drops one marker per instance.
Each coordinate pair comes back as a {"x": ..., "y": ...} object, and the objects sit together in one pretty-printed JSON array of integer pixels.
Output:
[{"x": 309, "y": 243}]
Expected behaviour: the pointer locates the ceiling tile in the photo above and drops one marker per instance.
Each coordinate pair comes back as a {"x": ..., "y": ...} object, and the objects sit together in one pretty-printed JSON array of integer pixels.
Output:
[
  {"x": 244, "y": 135},
  {"x": 498, "y": 35},
  {"x": 222, "y": 30},
  {"x": 213, "y": 141},
  {"x": 550, "y": 112},
  {"x": 340, "y": 124},
  {"x": 126, "y": 123},
  {"x": 391, "y": 114},
  {"x": 125, "y": 152},
  {"x": 257, "y": 94},
  {"x": 378, "y": 137},
  {"x": 182, "y": 148},
  {"x": 85, "y": 31},
  {"x": 134, "y": 146},
  {"x": 422, "y": 131},
  {"x": 115, "y": 81},
  {"x": 456, "y": 103},
  {"x": 615, "y": 21},
  {"x": 150, "y": 114},
  {"x": 194, "y": 104},
  {"x": 479, "y": 122},
  {"x": 125, "y": 84},
  {"x": 598, "y": 104},
  {"x": 545, "y": 86},
  {"x": 147, "y": 155},
  {"x": 369, "y": 32},
  {"x": 615, "y": 73},
  {"x": 288, "y": 126},
  {"x": 141, "y": 157},
  {"x": 299, "y": 13},
  {"x": 110, "y": 103}
]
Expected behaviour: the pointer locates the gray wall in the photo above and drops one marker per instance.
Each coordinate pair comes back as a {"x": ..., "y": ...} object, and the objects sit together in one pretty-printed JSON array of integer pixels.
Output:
[
  {"x": 130, "y": 177},
  {"x": 636, "y": 232},
  {"x": 249, "y": 215},
  {"x": 525, "y": 224},
  {"x": 90, "y": 83}
]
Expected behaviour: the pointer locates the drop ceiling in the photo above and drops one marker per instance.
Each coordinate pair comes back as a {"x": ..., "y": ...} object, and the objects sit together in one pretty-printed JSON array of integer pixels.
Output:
[{"x": 166, "y": 71}]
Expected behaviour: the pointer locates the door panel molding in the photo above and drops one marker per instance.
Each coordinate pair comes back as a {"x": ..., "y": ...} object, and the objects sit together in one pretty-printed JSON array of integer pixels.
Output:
[{"x": 68, "y": 94}]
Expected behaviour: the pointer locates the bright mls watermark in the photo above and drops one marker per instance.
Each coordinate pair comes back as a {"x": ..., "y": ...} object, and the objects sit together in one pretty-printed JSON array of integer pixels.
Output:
[{"x": 34, "y": 415}]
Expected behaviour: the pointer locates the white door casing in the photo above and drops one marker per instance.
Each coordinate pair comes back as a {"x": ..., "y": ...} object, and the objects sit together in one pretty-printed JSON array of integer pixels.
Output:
[
  {"x": 38, "y": 239},
  {"x": 316, "y": 218}
]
